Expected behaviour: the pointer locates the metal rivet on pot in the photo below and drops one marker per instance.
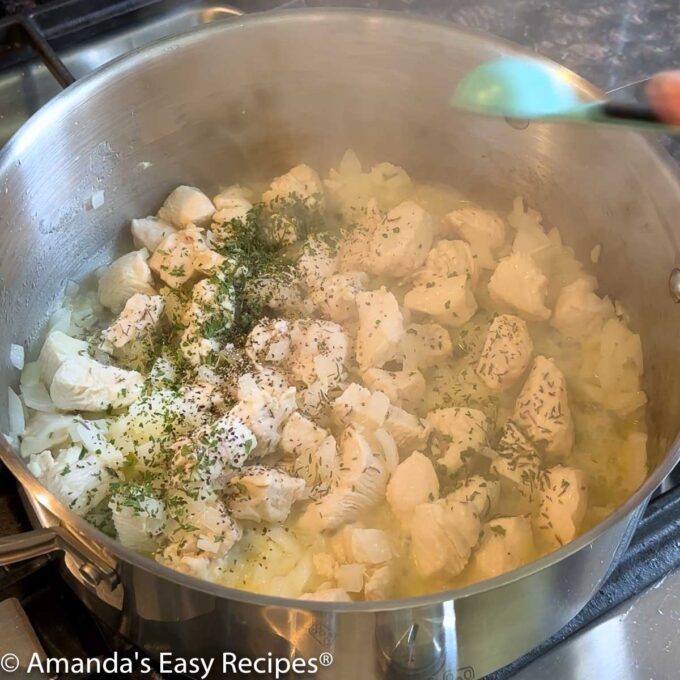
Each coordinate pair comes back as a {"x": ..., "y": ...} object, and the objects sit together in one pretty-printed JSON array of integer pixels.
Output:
[
  {"x": 674, "y": 284},
  {"x": 90, "y": 573}
]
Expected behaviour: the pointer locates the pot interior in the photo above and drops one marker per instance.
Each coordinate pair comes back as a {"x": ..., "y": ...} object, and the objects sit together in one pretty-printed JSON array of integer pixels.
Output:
[{"x": 249, "y": 99}]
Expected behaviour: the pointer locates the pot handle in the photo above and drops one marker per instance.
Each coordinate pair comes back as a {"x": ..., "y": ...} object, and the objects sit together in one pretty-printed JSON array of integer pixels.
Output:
[{"x": 31, "y": 544}]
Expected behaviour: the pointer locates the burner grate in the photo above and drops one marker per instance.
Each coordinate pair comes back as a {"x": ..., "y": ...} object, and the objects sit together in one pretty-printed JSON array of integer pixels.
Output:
[
  {"x": 40, "y": 27},
  {"x": 21, "y": 31}
]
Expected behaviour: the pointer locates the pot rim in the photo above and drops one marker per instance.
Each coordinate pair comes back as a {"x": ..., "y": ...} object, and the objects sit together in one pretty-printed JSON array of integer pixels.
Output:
[{"x": 64, "y": 101}]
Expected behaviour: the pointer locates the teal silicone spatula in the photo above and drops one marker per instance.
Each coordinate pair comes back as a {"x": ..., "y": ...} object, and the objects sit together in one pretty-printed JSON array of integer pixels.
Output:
[{"x": 532, "y": 89}]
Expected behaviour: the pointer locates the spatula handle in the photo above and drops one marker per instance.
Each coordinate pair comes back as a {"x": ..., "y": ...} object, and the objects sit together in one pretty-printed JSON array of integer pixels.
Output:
[{"x": 630, "y": 111}]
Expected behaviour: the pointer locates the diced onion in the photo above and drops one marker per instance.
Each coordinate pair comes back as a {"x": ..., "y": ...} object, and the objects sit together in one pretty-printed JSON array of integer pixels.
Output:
[
  {"x": 15, "y": 411},
  {"x": 60, "y": 320},
  {"x": 88, "y": 434},
  {"x": 72, "y": 289},
  {"x": 97, "y": 200},
  {"x": 389, "y": 448},
  {"x": 16, "y": 356},
  {"x": 37, "y": 397},
  {"x": 30, "y": 374},
  {"x": 350, "y": 164},
  {"x": 595, "y": 254},
  {"x": 45, "y": 431},
  {"x": 12, "y": 439},
  {"x": 33, "y": 392}
]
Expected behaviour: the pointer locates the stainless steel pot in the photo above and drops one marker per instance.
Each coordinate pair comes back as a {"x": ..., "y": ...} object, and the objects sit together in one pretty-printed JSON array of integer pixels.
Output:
[{"x": 250, "y": 98}]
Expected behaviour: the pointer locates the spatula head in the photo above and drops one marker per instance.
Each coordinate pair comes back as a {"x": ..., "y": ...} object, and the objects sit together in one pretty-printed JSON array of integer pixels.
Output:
[{"x": 516, "y": 87}]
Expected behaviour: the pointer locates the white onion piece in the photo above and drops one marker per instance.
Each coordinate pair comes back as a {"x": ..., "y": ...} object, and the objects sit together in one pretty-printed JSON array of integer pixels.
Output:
[
  {"x": 97, "y": 200},
  {"x": 45, "y": 431},
  {"x": 17, "y": 356},
  {"x": 295, "y": 582},
  {"x": 15, "y": 411},
  {"x": 390, "y": 450},
  {"x": 12, "y": 439},
  {"x": 72, "y": 289},
  {"x": 88, "y": 434},
  {"x": 37, "y": 397},
  {"x": 60, "y": 320},
  {"x": 130, "y": 530}
]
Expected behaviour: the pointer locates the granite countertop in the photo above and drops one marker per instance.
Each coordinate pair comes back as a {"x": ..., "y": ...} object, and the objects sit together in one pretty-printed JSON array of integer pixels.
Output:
[{"x": 609, "y": 42}]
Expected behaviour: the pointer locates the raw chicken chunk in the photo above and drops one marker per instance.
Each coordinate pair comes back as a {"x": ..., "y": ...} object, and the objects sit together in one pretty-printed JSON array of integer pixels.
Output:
[
  {"x": 507, "y": 543},
  {"x": 263, "y": 494},
  {"x": 424, "y": 345},
  {"x": 442, "y": 537},
  {"x": 563, "y": 502},
  {"x": 317, "y": 262},
  {"x": 301, "y": 182},
  {"x": 139, "y": 517},
  {"x": 319, "y": 352},
  {"x": 361, "y": 485},
  {"x": 139, "y": 318},
  {"x": 336, "y": 296},
  {"x": 364, "y": 546},
  {"x": 269, "y": 342},
  {"x": 182, "y": 256},
  {"x": 482, "y": 229},
  {"x": 123, "y": 278},
  {"x": 481, "y": 492},
  {"x": 204, "y": 535},
  {"x": 450, "y": 301},
  {"x": 517, "y": 462},
  {"x": 300, "y": 435},
  {"x": 517, "y": 282},
  {"x": 359, "y": 406},
  {"x": 187, "y": 206},
  {"x": 356, "y": 247},
  {"x": 542, "y": 408},
  {"x": 381, "y": 327},
  {"x": 462, "y": 431},
  {"x": 579, "y": 312},
  {"x": 211, "y": 306},
  {"x": 195, "y": 348},
  {"x": 403, "y": 388},
  {"x": 81, "y": 482},
  {"x": 83, "y": 384},
  {"x": 401, "y": 241},
  {"x": 263, "y": 412},
  {"x": 413, "y": 482},
  {"x": 232, "y": 205},
  {"x": 506, "y": 353},
  {"x": 214, "y": 450},
  {"x": 313, "y": 450},
  {"x": 57, "y": 349},
  {"x": 148, "y": 232},
  {"x": 408, "y": 431},
  {"x": 446, "y": 260},
  {"x": 373, "y": 412},
  {"x": 224, "y": 198}
]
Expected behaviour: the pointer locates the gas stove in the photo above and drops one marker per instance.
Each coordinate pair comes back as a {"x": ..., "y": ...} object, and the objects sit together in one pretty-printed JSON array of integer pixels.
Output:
[{"x": 631, "y": 627}]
